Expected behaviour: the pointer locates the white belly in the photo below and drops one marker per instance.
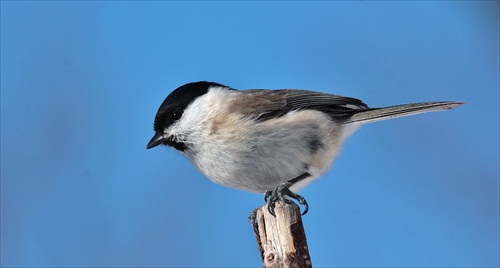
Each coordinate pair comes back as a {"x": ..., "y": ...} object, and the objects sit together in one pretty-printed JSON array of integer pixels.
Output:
[{"x": 269, "y": 154}]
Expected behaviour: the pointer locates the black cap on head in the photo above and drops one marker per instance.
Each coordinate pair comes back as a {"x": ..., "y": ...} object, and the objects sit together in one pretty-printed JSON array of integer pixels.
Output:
[{"x": 173, "y": 106}]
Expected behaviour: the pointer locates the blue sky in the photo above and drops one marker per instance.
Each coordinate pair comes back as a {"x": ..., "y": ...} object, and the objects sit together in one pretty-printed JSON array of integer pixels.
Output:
[{"x": 81, "y": 83}]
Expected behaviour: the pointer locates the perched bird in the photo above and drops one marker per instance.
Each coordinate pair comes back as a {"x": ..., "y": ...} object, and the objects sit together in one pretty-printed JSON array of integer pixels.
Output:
[{"x": 265, "y": 141}]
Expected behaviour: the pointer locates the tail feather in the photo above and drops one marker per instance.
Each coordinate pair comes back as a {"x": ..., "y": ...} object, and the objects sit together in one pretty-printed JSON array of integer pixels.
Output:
[{"x": 379, "y": 114}]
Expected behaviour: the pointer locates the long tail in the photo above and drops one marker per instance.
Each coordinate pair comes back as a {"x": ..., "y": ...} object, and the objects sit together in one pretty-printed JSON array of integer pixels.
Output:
[{"x": 379, "y": 114}]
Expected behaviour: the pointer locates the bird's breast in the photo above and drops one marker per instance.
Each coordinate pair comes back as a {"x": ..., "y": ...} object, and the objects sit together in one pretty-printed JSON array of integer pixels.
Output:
[{"x": 242, "y": 153}]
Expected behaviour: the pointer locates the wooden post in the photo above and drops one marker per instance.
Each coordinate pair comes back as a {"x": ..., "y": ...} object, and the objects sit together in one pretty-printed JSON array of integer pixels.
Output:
[{"x": 281, "y": 239}]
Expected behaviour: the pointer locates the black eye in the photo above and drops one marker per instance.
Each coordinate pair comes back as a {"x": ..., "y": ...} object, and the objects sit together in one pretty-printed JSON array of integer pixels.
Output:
[{"x": 176, "y": 115}]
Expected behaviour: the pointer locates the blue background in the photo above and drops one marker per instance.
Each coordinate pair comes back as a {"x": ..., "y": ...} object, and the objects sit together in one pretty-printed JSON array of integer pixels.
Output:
[{"x": 81, "y": 83}]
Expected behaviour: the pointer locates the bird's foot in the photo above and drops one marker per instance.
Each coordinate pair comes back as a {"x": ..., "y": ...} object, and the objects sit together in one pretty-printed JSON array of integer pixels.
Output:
[{"x": 281, "y": 192}]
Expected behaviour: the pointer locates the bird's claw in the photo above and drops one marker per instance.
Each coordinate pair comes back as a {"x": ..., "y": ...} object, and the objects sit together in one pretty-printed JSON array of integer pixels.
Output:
[{"x": 280, "y": 193}]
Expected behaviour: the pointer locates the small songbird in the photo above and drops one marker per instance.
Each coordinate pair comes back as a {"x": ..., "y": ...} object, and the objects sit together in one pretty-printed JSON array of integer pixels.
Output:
[{"x": 265, "y": 141}]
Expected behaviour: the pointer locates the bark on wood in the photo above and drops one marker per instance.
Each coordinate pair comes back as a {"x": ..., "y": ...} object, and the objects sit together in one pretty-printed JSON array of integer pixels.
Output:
[{"x": 281, "y": 239}]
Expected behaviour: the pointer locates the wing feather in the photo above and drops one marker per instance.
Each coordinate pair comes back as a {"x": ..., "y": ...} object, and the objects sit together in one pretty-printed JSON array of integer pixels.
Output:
[{"x": 267, "y": 104}]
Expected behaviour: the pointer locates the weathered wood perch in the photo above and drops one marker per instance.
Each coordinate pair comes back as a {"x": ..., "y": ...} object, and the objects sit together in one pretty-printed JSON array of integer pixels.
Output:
[{"x": 281, "y": 239}]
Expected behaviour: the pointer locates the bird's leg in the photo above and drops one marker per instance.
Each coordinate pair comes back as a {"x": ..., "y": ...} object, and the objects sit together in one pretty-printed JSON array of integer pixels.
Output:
[{"x": 282, "y": 191}]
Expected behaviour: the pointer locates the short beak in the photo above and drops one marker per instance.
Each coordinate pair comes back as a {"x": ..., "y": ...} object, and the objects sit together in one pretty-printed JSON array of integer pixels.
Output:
[{"x": 155, "y": 141}]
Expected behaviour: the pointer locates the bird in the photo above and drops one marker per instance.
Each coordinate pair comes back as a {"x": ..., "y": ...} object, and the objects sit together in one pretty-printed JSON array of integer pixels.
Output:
[{"x": 273, "y": 142}]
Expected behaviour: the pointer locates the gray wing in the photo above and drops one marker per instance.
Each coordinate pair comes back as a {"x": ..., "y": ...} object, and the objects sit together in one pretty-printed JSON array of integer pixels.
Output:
[{"x": 267, "y": 104}]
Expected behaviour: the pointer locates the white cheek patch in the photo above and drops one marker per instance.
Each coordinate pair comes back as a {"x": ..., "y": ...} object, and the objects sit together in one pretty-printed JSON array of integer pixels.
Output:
[{"x": 195, "y": 118}]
